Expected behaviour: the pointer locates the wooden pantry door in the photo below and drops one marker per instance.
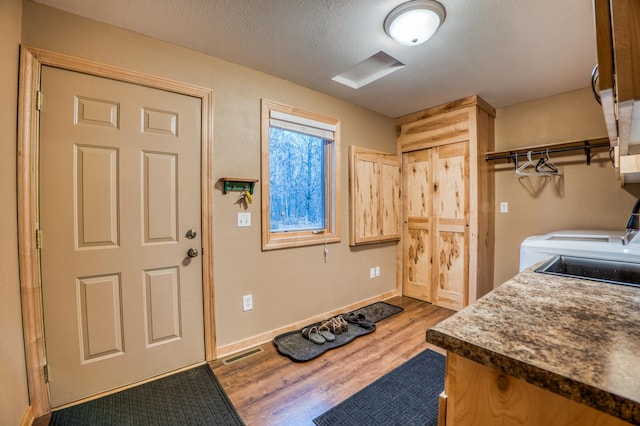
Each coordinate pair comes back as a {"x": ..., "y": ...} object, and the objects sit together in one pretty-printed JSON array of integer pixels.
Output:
[
  {"x": 417, "y": 176},
  {"x": 119, "y": 192},
  {"x": 435, "y": 233},
  {"x": 451, "y": 230}
]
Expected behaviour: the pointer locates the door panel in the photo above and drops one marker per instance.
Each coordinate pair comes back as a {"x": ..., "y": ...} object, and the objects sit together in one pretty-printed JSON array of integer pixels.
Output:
[
  {"x": 389, "y": 193},
  {"x": 96, "y": 196},
  {"x": 100, "y": 317},
  {"x": 119, "y": 188},
  {"x": 451, "y": 283},
  {"x": 417, "y": 234},
  {"x": 366, "y": 180},
  {"x": 451, "y": 235},
  {"x": 417, "y": 264}
]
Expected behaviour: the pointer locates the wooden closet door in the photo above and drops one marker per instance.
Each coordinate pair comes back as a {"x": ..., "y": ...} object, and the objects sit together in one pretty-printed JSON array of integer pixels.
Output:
[
  {"x": 417, "y": 230},
  {"x": 451, "y": 234}
]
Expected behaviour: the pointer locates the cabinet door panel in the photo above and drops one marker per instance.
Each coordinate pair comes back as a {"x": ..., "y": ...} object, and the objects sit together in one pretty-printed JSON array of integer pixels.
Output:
[
  {"x": 451, "y": 206},
  {"x": 451, "y": 282},
  {"x": 417, "y": 263},
  {"x": 451, "y": 180},
  {"x": 390, "y": 209},
  {"x": 417, "y": 174},
  {"x": 418, "y": 233},
  {"x": 366, "y": 198}
]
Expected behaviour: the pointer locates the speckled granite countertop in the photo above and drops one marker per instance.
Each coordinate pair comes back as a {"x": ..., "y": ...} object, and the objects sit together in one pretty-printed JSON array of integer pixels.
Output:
[{"x": 577, "y": 338}]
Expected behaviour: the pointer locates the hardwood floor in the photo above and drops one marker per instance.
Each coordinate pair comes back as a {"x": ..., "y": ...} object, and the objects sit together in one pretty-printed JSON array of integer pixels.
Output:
[{"x": 270, "y": 389}]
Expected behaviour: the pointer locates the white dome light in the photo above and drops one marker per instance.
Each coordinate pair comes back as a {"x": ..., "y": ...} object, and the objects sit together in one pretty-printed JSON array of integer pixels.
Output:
[{"x": 414, "y": 22}]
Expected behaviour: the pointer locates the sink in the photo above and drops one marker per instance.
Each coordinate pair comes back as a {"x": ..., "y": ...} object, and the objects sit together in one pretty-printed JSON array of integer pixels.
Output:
[{"x": 609, "y": 271}]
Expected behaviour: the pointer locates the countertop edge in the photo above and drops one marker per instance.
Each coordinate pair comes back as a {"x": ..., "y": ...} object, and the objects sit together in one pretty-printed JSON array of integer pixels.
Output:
[{"x": 591, "y": 396}]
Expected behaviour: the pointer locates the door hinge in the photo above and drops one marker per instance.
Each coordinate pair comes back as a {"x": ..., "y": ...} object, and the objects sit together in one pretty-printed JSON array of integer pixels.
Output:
[
  {"x": 38, "y": 239},
  {"x": 38, "y": 100},
  {"x": 46, "y": 373}
]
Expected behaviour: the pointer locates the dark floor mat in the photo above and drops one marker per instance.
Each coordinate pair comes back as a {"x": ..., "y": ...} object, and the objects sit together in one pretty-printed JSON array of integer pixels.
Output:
[
  {"x": 377, "y": 311},
  {"x": 193, "y": 397},
  {"x": 296, "y": 347},
  {"x": 407, "y": 396}
]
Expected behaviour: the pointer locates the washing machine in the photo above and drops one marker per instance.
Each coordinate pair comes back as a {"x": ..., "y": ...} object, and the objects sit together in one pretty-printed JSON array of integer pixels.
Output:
[{"x": 596, "y": 244}]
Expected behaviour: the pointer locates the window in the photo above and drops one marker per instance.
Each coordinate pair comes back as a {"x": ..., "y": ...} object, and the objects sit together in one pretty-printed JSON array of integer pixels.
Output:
[{"x": 300, "y": 177}]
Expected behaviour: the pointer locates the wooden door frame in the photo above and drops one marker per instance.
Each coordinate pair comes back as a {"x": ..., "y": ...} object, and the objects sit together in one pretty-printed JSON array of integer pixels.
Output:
[{"x": 31, "y": 62}]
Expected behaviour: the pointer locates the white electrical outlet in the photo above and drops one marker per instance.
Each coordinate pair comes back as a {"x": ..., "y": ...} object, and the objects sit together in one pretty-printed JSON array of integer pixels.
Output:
[
  {"x": 377, "y": 271},
  {"x": 372, "y": 272},
  {"x": 247, "y": 302},
  {"x": 244, "y": 219},
  {"x": 504, "y": 207}
]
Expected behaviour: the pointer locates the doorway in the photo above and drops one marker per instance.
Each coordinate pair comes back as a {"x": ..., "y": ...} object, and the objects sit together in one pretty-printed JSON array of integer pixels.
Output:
[{"x": 156, "y": 284}]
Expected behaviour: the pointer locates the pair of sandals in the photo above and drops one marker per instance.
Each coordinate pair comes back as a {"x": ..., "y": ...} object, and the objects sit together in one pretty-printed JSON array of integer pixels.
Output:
[
  {"x": 337, "y": 325},
  {"x": 362, "y": 321},
  {"x": 326, "y": 332},
  {"x": 318, "y": 334}
]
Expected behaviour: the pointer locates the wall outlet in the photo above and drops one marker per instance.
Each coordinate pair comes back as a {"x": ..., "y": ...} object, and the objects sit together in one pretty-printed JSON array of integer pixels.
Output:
[
  {"x": 504, "y": 207},
  {"x": 247, "y": 302},
  {"x": 377, "y": 271},
  {"x": 244, "y": 219},
  {"x": 372, "y": 272}
]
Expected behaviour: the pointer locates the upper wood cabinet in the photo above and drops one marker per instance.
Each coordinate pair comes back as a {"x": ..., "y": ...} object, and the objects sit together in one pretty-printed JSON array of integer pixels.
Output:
[
  {"x": 374, "y": 196},
  {"x": 448, "y": 207},
  {"x": 618, "y": 42}
]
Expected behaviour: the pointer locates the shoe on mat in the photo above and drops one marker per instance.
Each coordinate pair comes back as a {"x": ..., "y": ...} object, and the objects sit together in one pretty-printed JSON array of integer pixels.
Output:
[
  {"x": 333, "y": 327},
  {"x": 362, "y": 321},
  {"x": 325, "y": 332},
  {"x": 342, "y": 323},
  {"x": 313, "y": 335}
]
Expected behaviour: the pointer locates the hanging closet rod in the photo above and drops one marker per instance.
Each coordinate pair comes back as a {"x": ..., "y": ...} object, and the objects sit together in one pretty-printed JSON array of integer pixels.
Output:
[{"x": 582, "y": 145}]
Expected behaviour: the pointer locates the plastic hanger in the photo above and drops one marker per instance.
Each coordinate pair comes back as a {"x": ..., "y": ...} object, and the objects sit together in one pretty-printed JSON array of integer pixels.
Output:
[
  {"x": 545, "y": 166},
  {"x": 521, "y": 170}
]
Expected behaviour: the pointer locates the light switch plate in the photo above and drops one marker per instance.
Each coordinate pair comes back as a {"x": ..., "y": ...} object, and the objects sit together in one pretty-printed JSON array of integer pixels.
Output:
[
  {"x": 247, "y": 302},
  {"x": 244, "y": 219},
  {"x": 504, "y": 207}
]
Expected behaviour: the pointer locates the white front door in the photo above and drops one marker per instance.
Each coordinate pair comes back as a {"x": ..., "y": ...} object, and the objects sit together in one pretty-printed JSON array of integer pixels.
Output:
[{"x": 120, "y": 210}]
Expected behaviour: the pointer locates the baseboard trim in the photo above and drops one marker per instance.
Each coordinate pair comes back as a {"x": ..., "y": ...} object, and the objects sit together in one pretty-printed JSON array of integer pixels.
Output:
[
  {"x": 241, "y": 345},
  {"x": 28, "y": 419}
]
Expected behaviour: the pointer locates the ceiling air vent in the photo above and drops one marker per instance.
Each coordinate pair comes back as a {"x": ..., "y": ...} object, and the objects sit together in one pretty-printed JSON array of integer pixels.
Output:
[{"x": 369, "y": 70}]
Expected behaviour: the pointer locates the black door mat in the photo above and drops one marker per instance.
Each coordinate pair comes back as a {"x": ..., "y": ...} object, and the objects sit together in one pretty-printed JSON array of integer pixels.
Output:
[
  {"x": 296, "y": 347},
  {"x": 377, "y": 311},
  {"x": 192, "y": 397}
]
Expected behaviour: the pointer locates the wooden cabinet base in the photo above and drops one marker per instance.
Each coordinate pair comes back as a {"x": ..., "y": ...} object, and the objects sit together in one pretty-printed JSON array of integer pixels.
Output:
[{"x": 479, "y": 395}]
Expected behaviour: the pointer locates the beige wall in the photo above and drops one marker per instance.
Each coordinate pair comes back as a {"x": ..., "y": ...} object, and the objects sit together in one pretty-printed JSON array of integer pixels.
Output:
[
  {"x": 584, "y": 197},
  {"x": 287, "y": 285},
  {"x": 13, "y": 386}
]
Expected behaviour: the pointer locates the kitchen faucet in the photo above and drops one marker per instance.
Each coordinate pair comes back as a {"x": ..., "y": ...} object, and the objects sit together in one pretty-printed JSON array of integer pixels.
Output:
[{"x": 633, "y": 226}]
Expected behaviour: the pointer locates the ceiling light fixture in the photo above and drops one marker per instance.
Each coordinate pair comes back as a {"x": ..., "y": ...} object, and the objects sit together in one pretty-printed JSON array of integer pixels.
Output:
[{"x": 414, "y": 22}]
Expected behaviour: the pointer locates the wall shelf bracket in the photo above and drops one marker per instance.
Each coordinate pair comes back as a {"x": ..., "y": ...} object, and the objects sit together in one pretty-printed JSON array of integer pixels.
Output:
[{"x": 238, "y": 184}]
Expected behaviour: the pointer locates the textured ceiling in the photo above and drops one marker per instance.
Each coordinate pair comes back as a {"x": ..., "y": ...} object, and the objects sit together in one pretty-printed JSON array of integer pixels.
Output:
[{"x": 507, "y": 51}]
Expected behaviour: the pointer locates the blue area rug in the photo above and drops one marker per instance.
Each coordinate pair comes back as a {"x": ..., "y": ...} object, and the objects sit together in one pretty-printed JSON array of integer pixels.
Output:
[
  {"x": 406, "y": 396},
  {"x": 193, "y": 397}
]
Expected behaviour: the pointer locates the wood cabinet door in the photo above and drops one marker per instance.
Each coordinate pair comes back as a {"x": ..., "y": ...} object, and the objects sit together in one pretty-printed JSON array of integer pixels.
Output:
[
  {"x": 390, "y": 201},
  {"x": 417, "y": 230},
  {"x": 374, "y": 191},
  {"x": 451, "y": 213}
]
